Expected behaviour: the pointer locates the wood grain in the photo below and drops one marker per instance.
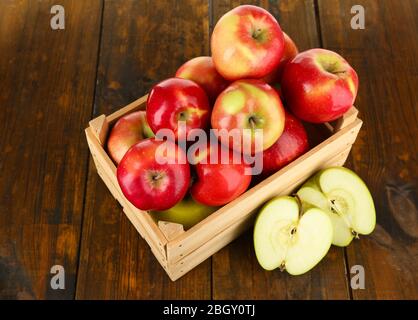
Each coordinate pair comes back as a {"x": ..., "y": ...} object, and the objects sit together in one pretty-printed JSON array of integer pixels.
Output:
[
  {"x": 47, "y": 84},
  {"x": 385, "y": 154},
  {"x": 47, "y": 98},
  {"x": 236, "y": 272},
  {"x": 143, "y": 42}
]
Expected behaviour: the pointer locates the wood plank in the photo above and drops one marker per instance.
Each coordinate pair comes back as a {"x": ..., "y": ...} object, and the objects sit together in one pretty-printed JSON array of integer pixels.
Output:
[
  {"x": 142, "y": 43},
  {"x": 385, "y": 155},
  {"x": 236, "y": 272},
  {"x": 47, "y": 83}
]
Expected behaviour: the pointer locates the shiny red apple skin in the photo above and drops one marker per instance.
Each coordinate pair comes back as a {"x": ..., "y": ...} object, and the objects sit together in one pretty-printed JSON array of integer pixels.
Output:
[
  {"x": 290, "y": 51},
  {"x": 202, "y": 71},
  {"x": 292, "y": 143},
  {"x": 127, "y": 131},
  {"x": 149, "y": 185},
  {"x": 174, "y": 100},
  {"x": 218, "y": 184},
  {"x": 247, "y": 42},
  {"x": 319, "y": 85},
  {"x": 242, "y": 101}
]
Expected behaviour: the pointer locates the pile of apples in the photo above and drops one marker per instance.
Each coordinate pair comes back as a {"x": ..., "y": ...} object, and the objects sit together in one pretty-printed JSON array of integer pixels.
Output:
[{"x": 254, "y": 68}]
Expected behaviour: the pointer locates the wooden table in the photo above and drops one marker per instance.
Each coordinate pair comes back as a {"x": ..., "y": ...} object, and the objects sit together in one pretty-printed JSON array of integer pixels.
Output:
[{"x": 54, "y": 209}]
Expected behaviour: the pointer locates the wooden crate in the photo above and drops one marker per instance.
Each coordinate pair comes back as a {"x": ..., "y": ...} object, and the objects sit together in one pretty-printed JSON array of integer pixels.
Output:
[{"x": 179, "y": 251}]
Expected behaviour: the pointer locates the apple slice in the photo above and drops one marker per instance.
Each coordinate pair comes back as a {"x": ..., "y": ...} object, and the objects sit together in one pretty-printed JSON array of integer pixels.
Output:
[
  {"x": 284, "y": 239},
  {"x": 345, "y": 198}
]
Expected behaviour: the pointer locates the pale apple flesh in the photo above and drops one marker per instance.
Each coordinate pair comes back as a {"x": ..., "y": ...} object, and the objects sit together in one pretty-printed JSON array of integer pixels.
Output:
[
  {"x": 345, "y": 198},
  {"x": 287, "y": 240}
]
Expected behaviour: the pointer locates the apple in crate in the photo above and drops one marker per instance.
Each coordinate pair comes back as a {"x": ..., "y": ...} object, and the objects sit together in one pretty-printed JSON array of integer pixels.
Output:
[
  {"x": 202, "y": 71},
  {"x": 219, "y": 179},
  {"x": 187, "y": 212},
  {"x": 319, "y": 85},
  {"x": 292, "y": 143},
  {"x": 249, "y": 104},
  {"x": 286, "y": 239},
  {"x": 346, "y": 199},
  {"x": 174, "y": 100},
  {"x": 290, "y": 51},
  {"x": 127, "y": 131},
  {"x": 149, "y": 183},
  {"x": 247, "y": 42}
]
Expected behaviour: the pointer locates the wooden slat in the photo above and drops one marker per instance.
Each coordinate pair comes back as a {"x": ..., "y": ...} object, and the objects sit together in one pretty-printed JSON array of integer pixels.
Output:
[
  {"x": 385, "y": 155},
  {"x": 47, "y": 82},
  {"x": 142, "y": 43},
  {"x": 104, "y": 163},
  {"x": 236, "y": 273}
]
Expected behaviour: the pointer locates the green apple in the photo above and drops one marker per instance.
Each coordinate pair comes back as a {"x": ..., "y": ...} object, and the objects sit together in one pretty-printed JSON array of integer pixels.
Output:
[
  {"x": 345, "y": 198},
  {"x": 187, "y": 212},
  {"x": 285, "y": 239}
]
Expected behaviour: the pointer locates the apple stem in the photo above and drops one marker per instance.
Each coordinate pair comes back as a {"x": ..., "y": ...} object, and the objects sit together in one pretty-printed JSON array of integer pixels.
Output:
[
  {"x": 156, "y": 177},
  {"x": 256, "y": 33},
  {"x": 252, "y": 122}
]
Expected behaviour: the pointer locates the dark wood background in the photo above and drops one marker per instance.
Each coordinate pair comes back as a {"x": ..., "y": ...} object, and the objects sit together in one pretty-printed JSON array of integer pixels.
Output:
[{"x": 54, "y": 209}]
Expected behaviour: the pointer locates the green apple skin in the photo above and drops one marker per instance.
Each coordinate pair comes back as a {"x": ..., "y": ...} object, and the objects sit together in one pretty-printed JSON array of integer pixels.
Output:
[
  {"x": 353, "y": 211},
  {"x": 187, "y": 212},
  {"x": 284, "y": 238}
]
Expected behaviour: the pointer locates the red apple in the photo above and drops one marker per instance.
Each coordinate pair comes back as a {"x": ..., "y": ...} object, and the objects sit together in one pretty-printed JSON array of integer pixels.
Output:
[
  {"x": 174, "y": 100},
  {"x": 127, "y": 131},
  {"x": 249, "y": 104},
  {"x": 318, "y": 85},
  {"x": 202, "y": 71},
  {"x": 148, "y": 184},
  {"x": 247, "y": 42},
  {"x": 292, "y": 143},
  {"x": 219, "y": 182},
  {"x": 290, "y": 51}
]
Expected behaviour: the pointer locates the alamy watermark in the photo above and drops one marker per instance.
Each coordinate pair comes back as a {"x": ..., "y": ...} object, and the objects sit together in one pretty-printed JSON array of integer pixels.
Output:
[
  {"x": 58, "y": 278},
  {"x": 358, "y": 280},
  {"x": 358, "y": 20},
  {"x": 57, "y": 21},
  {"x": 246, "y": 143}
]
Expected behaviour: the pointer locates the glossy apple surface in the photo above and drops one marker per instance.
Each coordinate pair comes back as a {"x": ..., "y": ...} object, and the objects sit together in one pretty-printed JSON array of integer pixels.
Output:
[
  {"x": 149, "y": 185},
  {"x": 218, "y": 182},
  {"x": 292, "y": 143},
  {"x": 127, "y": 131},
  {"x": 202, "y": 71},
  {"x": 174, "y": 100},
  {"x": 187, "y": 212},
  {"x": 251, "y": 105},
  {"x": 247, "y": 42},
  {"x": 319, "y": 85},
  {"x": 290, "y": 51}
]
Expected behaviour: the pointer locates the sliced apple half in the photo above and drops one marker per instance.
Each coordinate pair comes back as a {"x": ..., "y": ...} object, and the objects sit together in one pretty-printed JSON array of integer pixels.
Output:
[
  {"x": 346, "y": 199},
  {"x": 284, "y": 239}
]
